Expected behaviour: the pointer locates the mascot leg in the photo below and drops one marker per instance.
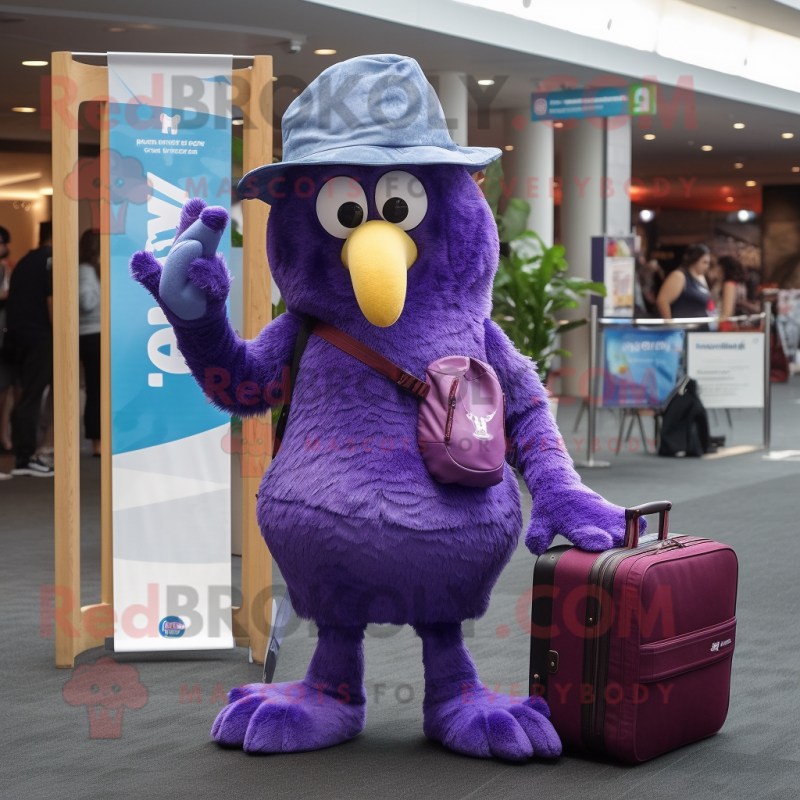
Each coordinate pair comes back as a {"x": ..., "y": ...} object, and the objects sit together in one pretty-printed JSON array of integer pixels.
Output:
[
  {"x": 327, "y": 707},
  {"x": 464, "y": 715}
]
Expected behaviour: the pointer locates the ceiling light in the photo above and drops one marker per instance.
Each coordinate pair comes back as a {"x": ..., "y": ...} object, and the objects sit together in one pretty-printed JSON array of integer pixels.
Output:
[
  {"x": 649, "y": 136},
  {"x": 35, "y": 63},
  {"x": 749, "y": 183},
  {"x": 795, "y": 169},
  {"x": 738, "y": 165},
  {"x": 558, "y": 124},
  {"x": 325, "y": 51},
  {"x": 24, "y": 109},
  {"x": 742, "y": 215},
  {"x": 46, "y": 192},
  {"x": 237, "y": 121},
  {"x": 738, "y": 125},
  {"x": 116, "y": 30},
  {"x": 787, "y": 136},
  {"x": 485, "y": 82},
  {"x": 728, "y": 199},
  {"x": 707, "y": 147},
  {"x": 645, "y": 215},
  {"x": 509, "y": 148}
]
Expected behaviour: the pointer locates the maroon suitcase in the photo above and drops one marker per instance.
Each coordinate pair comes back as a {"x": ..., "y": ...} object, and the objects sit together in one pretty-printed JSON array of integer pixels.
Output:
[{"x": 632, "y": 647}]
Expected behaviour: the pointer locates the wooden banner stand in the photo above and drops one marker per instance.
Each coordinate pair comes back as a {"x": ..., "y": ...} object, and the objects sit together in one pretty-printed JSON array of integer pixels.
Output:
[{"x": 79, "y": 628}]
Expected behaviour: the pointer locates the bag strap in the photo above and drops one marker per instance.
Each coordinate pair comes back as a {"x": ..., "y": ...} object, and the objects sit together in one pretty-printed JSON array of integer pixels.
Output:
[
  {"x": 376, "y": 361},
  {"x": 299, "y": 348}
]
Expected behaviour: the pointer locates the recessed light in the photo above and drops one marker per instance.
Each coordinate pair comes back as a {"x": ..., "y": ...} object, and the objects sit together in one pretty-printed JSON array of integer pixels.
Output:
[
  {"x": 238, "y": 121},
  {"x": 749, "y": 183},
  {"x": 649, "y": 136},
  {"x": 707, "y": 147},
  {"x": 24, "y": 109},
  {"x": 738, "y": 165},
  {"x": 738, "y": 125},
  {"x": 46, "y": 192},
  {"x": 558, "y": 124},
  {"x": 116, "y": 30},
  {"x": 743, "y": 215},
  {"x": 325, "y": 51},
  {"x": 795, "y": 169},
  {"x": 787, "y": 136},
  {"x": 509, "y": 148},
  {"x": 35, "y": 63},
  {"x": 729, "y": 199},
  {"x": 485, "y": 82}
]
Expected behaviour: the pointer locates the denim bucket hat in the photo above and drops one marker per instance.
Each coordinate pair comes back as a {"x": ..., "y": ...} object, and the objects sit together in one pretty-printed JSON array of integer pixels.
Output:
[{"x": 368, "y": 111}]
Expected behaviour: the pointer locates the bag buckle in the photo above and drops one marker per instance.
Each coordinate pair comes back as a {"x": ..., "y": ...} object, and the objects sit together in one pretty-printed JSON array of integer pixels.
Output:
[{"x": 413, "y": 385}]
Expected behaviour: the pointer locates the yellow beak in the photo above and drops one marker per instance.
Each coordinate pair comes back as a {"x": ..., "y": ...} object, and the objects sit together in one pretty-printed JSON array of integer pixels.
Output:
[{"x": 378, "y": 255}]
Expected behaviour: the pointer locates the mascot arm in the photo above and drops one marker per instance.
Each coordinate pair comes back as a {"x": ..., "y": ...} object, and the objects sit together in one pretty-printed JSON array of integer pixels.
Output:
[
  {"x": 561, "y": 503},
  {"x": 240, "y": 377}
]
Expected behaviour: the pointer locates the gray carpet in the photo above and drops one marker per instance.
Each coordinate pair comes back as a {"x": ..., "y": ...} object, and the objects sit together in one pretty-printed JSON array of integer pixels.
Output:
[{"x": 165, "y": 749}]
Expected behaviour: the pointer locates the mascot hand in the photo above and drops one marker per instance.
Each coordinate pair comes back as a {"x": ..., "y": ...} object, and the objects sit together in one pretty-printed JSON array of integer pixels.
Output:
[
  {"x": 195, "y": 279},
  {"x": 581, "y": 516}
]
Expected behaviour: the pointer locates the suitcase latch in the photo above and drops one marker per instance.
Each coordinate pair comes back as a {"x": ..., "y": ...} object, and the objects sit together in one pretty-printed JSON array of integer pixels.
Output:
[{"x": 552, "y": 662}]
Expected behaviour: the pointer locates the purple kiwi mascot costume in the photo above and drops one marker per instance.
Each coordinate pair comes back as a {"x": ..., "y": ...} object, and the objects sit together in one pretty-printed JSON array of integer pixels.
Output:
[{"x": 378, "y": 228}]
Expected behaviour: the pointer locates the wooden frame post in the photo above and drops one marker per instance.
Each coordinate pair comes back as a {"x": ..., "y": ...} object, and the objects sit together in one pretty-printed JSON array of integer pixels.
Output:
[
  {"x": 79, "y": 628},
  {"x": 253, "y": 618}
]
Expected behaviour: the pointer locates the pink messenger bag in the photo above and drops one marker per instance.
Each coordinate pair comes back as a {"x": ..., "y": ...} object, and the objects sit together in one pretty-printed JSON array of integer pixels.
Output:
[{"x": 461, "y": 427}]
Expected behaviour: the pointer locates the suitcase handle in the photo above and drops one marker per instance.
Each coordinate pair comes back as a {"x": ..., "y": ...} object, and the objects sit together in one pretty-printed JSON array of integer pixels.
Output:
[{"x": 660, "y": 507}]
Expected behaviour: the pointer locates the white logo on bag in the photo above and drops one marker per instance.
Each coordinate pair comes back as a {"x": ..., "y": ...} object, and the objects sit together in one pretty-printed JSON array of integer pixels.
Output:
[
  {"x": 717, "y": 646},
  {"x": 480, "y": 425}
]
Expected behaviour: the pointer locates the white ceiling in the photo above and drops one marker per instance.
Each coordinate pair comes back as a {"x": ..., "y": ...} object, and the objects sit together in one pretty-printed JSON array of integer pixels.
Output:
[{"x": 265, "y": 26}]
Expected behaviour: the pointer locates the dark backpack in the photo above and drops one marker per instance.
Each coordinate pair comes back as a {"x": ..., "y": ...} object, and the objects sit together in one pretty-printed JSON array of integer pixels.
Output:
[{"x": 684, "y": 422}]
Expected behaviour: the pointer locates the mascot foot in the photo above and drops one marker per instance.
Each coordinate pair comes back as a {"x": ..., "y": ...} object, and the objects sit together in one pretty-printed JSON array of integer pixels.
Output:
[
  {"x": 327, "y": 707},
  {"x": 469, "y": 718},
  {"x": 288, "y": 717}
]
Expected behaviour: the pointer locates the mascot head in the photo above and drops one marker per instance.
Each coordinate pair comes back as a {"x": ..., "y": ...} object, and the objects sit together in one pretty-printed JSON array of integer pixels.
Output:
[{"x": 374, "y": 208}]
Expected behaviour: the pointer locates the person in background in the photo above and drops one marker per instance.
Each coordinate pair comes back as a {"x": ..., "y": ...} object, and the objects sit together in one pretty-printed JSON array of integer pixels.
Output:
[
  {"x": 649, "y": 278},
  {"x": 6, "y": 368},
  {"x": 685, "y": 293},
  {"x": 734, "y": 290},
  {"x": 30, "y": 329},
  {"x": 89, "y": 329}
]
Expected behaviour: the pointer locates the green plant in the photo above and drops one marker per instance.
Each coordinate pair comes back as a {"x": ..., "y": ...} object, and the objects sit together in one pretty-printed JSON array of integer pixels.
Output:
[{"x": 531, "y": 287}]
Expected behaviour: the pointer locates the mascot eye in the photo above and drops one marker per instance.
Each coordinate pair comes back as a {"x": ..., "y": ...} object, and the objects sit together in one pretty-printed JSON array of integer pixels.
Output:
[
  {"x": 341, "y": 206},
  {"x": 401, "y": 199}
]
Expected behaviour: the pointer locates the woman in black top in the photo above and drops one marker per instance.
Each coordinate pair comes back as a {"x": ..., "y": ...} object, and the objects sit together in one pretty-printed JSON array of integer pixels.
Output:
[{"x": 685, "y": 292}]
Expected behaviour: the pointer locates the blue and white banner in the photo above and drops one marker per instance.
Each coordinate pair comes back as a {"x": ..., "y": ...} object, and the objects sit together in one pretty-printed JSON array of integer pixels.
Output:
[{"x": 170, "y": 137}]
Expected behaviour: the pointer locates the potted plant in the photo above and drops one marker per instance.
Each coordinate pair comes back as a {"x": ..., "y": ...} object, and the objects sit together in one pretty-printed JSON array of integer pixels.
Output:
[{"x": 532, "y": 287}]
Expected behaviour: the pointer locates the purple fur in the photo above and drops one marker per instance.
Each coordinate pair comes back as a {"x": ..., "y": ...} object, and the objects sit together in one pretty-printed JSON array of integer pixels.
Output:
[
  {"x": 561, "y": 503},
  {"x": 467, "y": 716},
  {"x": 146, "y": 270},
  {"x": 190, "y": 213},
  {"x": 215, "y": 217},
  {"x": 327, "y": 707},
  {"x": 212, "y": 275},
  {"x": 360, "y": 530}
]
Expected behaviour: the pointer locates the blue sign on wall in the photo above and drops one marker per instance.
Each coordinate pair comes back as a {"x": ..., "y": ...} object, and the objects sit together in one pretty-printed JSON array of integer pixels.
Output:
[{"x": 594, "y": 102}]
